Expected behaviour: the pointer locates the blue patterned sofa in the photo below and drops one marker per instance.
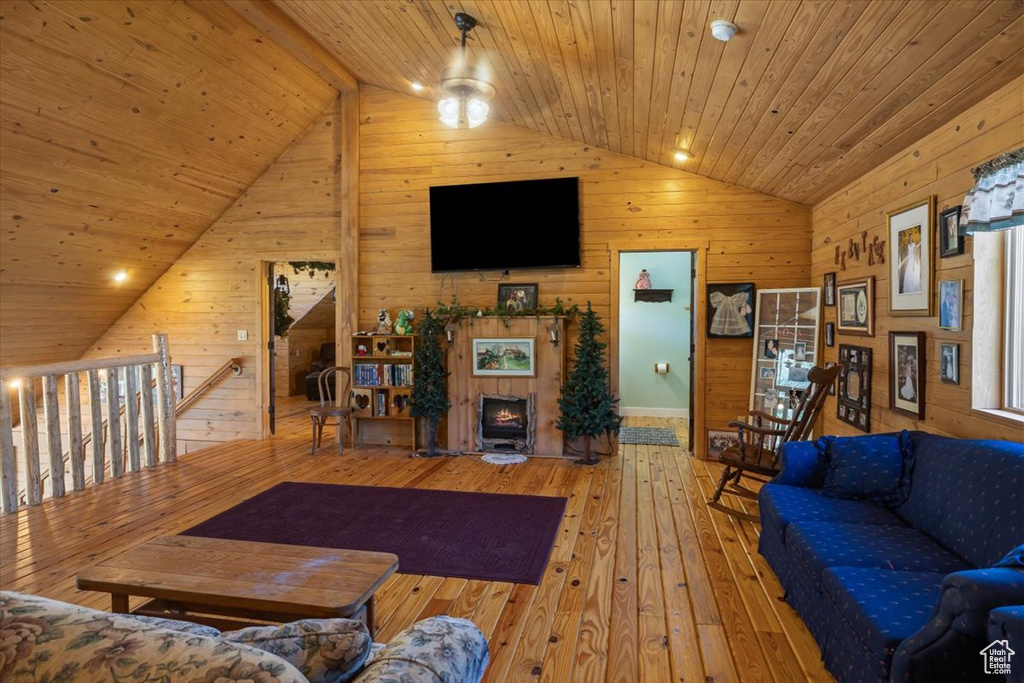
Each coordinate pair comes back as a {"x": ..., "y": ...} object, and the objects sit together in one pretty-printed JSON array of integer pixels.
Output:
[
  {"x": 47, "y": 640},
  {"x": 887, "y": 545}
]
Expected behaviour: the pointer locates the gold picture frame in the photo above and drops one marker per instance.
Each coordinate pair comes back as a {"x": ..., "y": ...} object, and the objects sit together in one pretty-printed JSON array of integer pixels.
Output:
[{"x": 912, "y": 258}]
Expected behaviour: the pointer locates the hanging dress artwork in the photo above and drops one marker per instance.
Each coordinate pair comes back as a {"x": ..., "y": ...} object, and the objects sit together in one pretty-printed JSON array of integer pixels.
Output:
[{"x": 732, "y": 312}]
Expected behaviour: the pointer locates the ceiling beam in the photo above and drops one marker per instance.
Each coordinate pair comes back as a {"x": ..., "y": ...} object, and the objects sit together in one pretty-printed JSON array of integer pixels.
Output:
[{"x": 271, "y": 20}]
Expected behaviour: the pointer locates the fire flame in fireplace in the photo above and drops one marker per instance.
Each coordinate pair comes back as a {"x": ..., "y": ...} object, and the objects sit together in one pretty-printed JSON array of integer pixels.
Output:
[{"x": 507, "y": 418}]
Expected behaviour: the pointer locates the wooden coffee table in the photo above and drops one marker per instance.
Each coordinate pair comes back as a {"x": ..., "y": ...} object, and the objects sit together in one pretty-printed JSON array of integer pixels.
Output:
[{"x": 189, "y": 577}]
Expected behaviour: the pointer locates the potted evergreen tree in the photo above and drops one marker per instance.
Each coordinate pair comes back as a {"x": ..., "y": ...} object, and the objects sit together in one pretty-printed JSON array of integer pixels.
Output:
[
  {"x": 587, "y": 405},
  {"x": 429, "y": 398}
]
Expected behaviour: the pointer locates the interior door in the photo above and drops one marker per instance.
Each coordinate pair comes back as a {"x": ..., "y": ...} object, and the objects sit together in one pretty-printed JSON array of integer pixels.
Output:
[{"x": 271, "y": 327}]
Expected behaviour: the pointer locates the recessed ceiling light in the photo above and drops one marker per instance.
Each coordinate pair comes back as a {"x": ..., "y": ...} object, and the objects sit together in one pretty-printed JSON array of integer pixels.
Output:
[
  {"x": 14, "y": 383},
  {"x": 682, "y": 156},
  {"x": 723, "y": 30},
  {"x": 121, "y": 276},
  {"x": 416, "y": 87}
]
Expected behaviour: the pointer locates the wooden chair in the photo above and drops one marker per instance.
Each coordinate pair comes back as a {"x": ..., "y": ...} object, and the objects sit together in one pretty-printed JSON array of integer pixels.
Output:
[
  {"x": 334, "y": 402},
  {"x": 757, "y": 455}
]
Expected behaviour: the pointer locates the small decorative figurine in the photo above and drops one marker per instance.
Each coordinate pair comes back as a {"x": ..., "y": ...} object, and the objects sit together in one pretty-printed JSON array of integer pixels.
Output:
[
  {"x": 404, "y": 323},
  {"x": 361, "y": 350},
  {"x": 383, "y": 322},
  {"x": 643, "y": 281}
]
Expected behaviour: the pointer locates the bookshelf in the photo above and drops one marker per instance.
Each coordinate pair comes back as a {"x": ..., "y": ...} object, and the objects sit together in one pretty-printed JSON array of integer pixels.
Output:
[{"x": 382, "y": 377}]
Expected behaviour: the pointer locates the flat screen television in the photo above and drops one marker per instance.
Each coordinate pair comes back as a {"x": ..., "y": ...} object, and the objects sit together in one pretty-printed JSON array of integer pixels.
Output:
[{"x": 501, "y": 226}]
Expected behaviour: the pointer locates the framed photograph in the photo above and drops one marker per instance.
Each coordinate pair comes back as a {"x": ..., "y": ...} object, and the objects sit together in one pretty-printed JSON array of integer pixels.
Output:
[
  {"x": 505, "y": 357},
  {"x": 853, "y": 386},
  {"x": 771, "y": 348},
  {"x": 829, "y": 291},
  {"x": 767, "y": 373},
  {"x": 800, "y": 350},
  {"x": 949, "y": 363},
  {"x": 719, "y": 440},
  {"x": 857, "y": 306},
  {"x": 517, "y": 297},
  {"x": 910, "y": 258},
  {"x": 951, "y": 297},
  {"x": 730, "y": 309},
  {"x": 831, "y": 387},
  {"x": 951, "y": 242},
  {"x": 830, "y": 334},
  {"x": 906, "y": 373}
]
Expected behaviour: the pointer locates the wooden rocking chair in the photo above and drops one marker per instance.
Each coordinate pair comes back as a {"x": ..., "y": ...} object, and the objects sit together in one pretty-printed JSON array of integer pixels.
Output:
[{"x": 757, "y": 455}]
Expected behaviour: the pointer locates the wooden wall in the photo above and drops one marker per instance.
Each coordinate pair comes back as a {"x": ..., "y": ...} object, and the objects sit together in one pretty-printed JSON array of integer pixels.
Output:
[
  {"x": 127, "y": 129},
  {"x": 215, "y": 288},
  {"x": 626, "y": 203},
  {"x": 939, "y": 164},
  {"x": 291, "y": 213}
]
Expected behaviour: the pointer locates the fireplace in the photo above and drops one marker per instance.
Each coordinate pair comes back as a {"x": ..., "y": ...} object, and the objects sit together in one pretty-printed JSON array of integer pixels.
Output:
[
  {"x": 506, "y": 423},
  {"x": 504, "y": 419}
]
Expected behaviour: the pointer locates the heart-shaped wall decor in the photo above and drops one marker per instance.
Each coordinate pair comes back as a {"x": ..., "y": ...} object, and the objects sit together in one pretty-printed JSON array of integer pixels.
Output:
[
  {"x": 382, "y": 346},
  {"x": 401, "y": 401}
]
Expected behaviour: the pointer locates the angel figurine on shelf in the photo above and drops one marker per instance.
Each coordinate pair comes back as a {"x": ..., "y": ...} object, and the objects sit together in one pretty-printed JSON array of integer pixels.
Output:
[{"x": 644, "y": 281}]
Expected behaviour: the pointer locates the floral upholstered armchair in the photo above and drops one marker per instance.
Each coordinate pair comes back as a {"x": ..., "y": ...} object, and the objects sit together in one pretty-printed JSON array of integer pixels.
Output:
[{"x": 47, "y": 640}]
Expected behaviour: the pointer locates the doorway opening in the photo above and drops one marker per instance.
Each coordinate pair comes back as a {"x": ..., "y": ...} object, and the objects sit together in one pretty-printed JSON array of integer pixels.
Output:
[
  {"x": 301, "y": 324},
  {"x": 656, "y": 334}
]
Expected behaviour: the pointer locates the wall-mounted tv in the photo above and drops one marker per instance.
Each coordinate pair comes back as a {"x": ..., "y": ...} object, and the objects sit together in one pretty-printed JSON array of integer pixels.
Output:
[{"x": 504, "y": 226}]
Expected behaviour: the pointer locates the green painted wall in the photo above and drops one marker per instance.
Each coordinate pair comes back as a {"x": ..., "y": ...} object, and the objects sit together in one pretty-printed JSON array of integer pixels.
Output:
[{"x": 652, "y": 333}]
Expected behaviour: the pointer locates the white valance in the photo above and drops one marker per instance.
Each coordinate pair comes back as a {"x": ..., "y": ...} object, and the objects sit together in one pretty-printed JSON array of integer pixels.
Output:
[{"x": 997, "y": 200}]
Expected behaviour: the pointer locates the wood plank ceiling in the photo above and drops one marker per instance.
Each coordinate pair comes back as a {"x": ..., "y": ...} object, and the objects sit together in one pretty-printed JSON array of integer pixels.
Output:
[
  {"x": 126, "y": 130},
  {"x": 808, "y": 96}
]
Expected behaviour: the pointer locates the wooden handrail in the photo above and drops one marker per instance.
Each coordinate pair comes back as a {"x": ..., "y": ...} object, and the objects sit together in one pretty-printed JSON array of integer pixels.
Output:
[
  {"x": 234, "y": 365},
  {"x": 67, "y": 367},
  {"x": 163, "y": 436}
]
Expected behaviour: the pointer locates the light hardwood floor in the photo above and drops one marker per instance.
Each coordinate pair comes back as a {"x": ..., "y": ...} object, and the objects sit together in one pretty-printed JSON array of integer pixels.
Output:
[{"x": 645, "y": 583}]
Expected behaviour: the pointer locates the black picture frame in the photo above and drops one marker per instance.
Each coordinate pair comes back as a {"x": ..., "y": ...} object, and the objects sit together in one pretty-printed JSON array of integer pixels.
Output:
[
  {"x": 853, "y": 386},
  {"x": 951, "y": 242},
  {"x": 949, "y": 363},
  {"x": 907, "y": 373},
  {"x": 728, "y": 318},
  {"x": 831, "y": 387},
  {"x": 830, "y": 334},
  {"x": 514, "y": 297},
  {"x": 829, "y": 289}
]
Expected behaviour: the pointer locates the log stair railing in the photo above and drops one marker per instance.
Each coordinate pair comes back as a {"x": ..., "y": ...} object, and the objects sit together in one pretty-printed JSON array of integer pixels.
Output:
[
  {"x": 233, "y": 365},
  {"x": 158, "y": 441}
]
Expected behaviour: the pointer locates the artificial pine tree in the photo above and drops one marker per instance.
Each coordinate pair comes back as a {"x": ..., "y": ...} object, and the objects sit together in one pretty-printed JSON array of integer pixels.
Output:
[
  {"x": 429, "y": 398},
  {"x": 587, "y": 405}
]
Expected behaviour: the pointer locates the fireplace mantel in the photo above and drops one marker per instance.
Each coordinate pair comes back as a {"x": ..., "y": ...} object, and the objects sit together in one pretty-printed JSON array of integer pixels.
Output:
[{"x": 464, "y": 388}]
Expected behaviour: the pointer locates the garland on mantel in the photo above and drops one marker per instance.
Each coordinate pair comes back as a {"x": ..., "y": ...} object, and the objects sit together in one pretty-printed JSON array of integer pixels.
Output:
[
  {"x": 1000, "y": 162},
  {"x": 454, "y": 312}
]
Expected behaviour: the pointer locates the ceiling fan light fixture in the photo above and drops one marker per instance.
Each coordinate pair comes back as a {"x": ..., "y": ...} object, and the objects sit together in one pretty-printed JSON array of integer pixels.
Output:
[
  {"x": 466, "y": 89},
  {"x": 723, "y": 30}
]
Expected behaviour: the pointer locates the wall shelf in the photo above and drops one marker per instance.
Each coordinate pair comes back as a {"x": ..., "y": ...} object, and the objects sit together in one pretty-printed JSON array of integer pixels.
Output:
[{"x": 654, "y": 296}]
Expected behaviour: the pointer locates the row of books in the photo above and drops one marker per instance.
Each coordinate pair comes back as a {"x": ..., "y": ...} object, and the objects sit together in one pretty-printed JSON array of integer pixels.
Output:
[{"x": 383, "y": 375}]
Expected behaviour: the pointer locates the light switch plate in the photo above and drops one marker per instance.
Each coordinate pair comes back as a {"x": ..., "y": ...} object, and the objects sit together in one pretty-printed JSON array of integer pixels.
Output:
[{"x": 243, "y": 335}]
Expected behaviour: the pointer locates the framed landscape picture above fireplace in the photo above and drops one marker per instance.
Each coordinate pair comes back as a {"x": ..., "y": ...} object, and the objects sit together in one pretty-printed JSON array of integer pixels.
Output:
[{"x": 508, "y": 357}]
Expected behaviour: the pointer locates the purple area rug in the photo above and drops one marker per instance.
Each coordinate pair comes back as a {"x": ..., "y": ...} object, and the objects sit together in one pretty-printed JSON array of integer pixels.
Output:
[{"x": 486, "y": 536}]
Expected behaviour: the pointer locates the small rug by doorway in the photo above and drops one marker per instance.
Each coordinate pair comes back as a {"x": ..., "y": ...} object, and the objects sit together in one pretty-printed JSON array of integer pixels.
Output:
[
  {"x": 483, "y": 536},
  {"x": 652, "y": 436}
]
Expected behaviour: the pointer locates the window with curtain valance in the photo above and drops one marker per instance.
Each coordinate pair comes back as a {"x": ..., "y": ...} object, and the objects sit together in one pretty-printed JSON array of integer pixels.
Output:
[{"x": 996, "y": 202}]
